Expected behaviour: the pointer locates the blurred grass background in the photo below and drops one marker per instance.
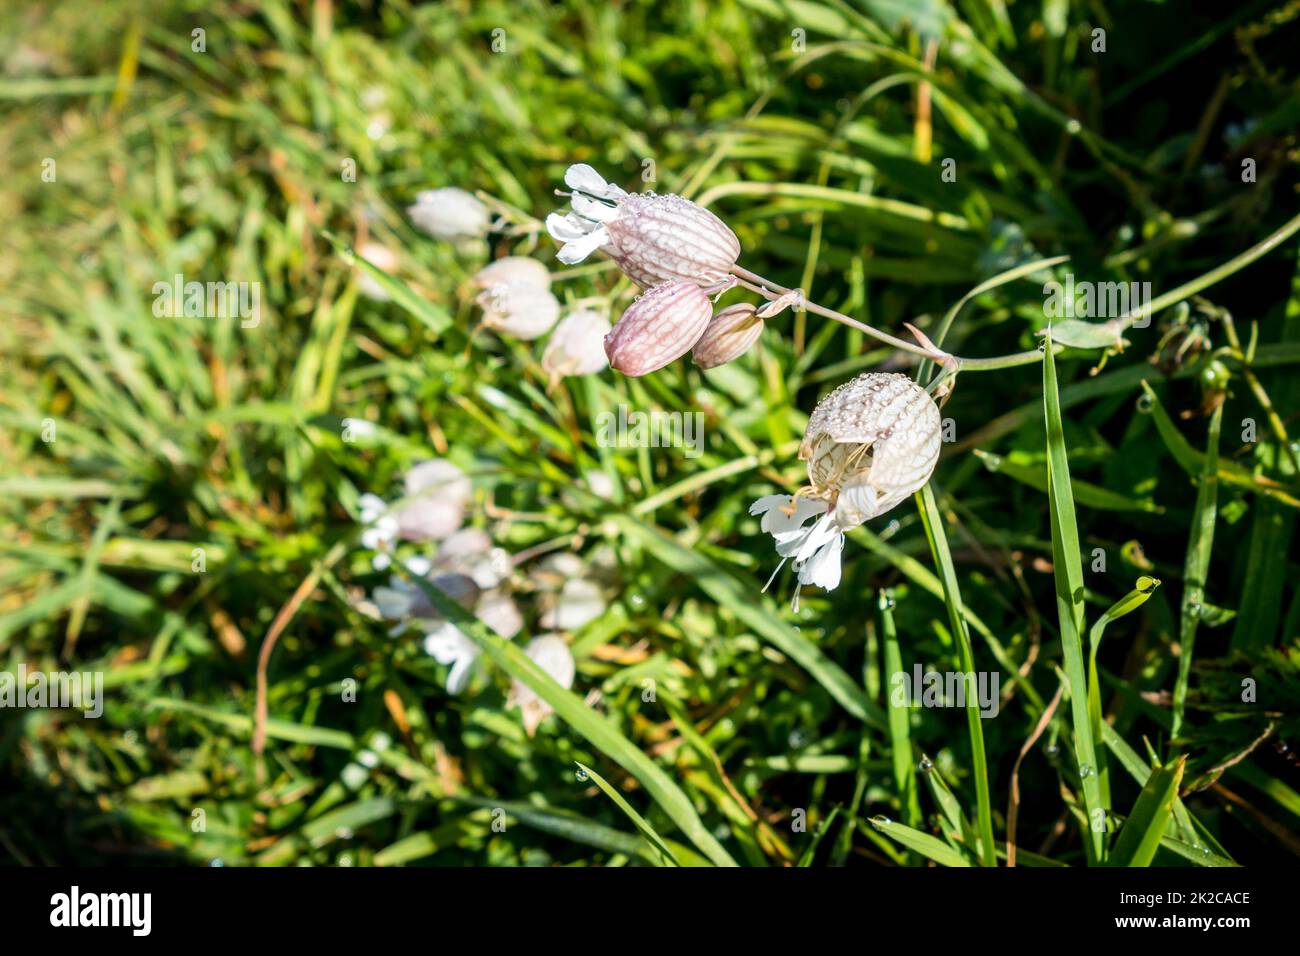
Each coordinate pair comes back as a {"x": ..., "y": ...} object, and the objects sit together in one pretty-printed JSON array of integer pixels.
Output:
[{"x": 800, "y": 123}]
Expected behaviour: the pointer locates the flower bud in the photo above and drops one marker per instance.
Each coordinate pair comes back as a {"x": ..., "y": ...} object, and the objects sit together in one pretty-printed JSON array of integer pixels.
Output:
[
  {"x": 659, "y": 327},
  {"x": 498, "y": 610},
  {"x": 514, "y": 271},
  {"x": 516, "y": 298},
  {"x": 729, "y": 335},
  {"x": 870, "y": 444},
  {"x": 657, "y": 238},
  {"x": 437, "y": 493},
  {"x": 577, "y": 345},
  {"x": 449, "y": 213}
]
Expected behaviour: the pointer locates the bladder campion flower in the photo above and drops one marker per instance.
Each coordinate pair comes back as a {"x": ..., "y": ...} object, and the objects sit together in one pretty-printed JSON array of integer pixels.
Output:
[
  {"x": 516, "y": 297},
  {"x": 652, "y": 238},
  {"x": 729, "y": 335},
  {"x": 659, "y": 327},
  {"x": 449, "y": 213},
  {"x": 437, "y": 493},
  {"x": 551, "y": 654},
  {"x": 577, "y": 345},
  {"x": 869, "y": 444}
]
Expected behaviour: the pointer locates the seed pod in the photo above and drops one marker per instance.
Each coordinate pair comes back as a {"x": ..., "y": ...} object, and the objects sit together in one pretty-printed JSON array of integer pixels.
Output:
[
  {"x": 870, "y": 444},
  {"x": 657, "y": 238},
  {"x": 577, "y": 345},
  {"x": 729, "y": 335},
  {"x": 658, "y": 328},
  {"x": 449, "y": 213}
]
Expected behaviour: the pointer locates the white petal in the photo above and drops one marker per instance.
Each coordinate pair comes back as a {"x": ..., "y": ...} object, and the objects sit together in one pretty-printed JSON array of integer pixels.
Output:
[
  {"x": 393, "y": 604},
  {"x": 768, "y": 502},
  {"x": 458, "y": 676},
  {"x": 371, "y": 506},
  {"x": 857, "y": 503},
  {"x": 566, "y": 228},
  {"x": 779, "y": 521},
  {"x": 823, "y": 531},
  {"x": 574, "y": 252},
  {"x": 593, "y": 209},
  {"x": 823, "y": 569},
  {"x": 582, "y": 177}
]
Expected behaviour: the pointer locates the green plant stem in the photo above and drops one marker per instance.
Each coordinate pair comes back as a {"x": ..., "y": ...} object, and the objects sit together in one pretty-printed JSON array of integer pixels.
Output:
[{"x": 772, "y": 290}]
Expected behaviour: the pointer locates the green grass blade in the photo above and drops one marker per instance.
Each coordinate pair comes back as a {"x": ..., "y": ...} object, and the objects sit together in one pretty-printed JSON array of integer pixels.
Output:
[
  {"x": 932, "y": 848},
  {"x": 1068, "y": 573},
  {"x": 1140, "y": 836},
  {"x": 1130, "y": 602},
  {"x": 1197, "y": 566},
  {"x": 421, "y": 308},
  {"x": 934, "y": 533},
  {"x": 729, "y": 593},
  {"x": 598, "y": 730},
  {"x": 663, "y": 855},
  {"x": 900, "y": 718}
]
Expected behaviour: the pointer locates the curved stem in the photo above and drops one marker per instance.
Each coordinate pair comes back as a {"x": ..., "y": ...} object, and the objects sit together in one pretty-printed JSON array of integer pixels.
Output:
[{"x": 770, "y": 290}]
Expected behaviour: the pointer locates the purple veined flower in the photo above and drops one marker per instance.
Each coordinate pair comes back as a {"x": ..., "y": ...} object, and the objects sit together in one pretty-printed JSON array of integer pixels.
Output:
[
  {"x": 382, "y": 258},
  {"x": 470, "y": 551},
  {"x": 577, "y": 346},
  {"x": 551, "y": 654},
  {"x": 437, "y": 493},
  {"x": 406, "y": 603},
  {"x": 440, "y": 476},
  {"x": 658, "y": 328},
  {"x": 498, "y": 610},
  {"x": 869, "y": 445},
  {"x": 571, "y": 596},
  {"x": 516, "y": 297},
  {"x": 730, "y": 334},
  {"x": 652, "y": 238},
  {"x": 579, "y": 602},
  {"x": 450, "y": 213},
  {"x": 521, "y": 271}
]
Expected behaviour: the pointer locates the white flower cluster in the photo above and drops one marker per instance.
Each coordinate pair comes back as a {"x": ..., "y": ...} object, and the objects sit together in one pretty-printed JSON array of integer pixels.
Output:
[
  {"x": 466, "y": 566},
  {"x": 676, "y": 250}
]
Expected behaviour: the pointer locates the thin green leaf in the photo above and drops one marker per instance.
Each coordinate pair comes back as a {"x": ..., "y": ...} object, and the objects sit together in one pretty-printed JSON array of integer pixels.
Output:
[{"x": 1068, "y": 574}]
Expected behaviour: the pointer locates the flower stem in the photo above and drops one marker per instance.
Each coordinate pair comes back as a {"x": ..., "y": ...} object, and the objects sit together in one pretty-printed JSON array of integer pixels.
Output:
[{"x": 770, "y": 290}]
